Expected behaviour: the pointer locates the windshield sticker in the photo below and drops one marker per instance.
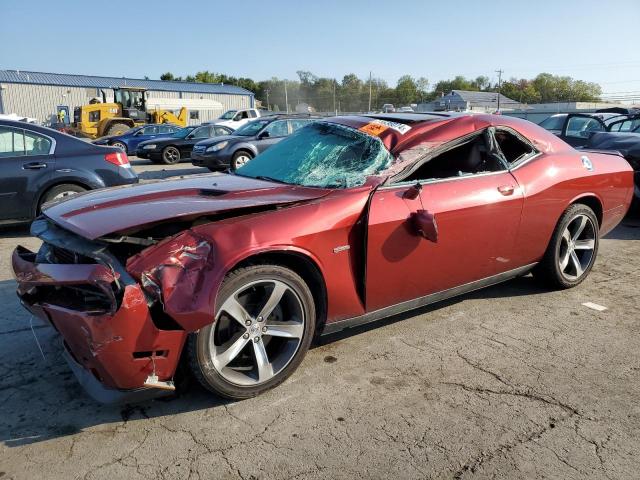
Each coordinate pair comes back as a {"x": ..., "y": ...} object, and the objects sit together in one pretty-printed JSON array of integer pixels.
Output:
[{"x": 376, "y": 127}]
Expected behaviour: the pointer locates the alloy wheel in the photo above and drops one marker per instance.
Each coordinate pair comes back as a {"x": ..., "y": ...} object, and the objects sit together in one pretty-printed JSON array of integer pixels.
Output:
[
  {"x": 242, "y": 160},
  {"x": 171, "y": 155},
  {"x": 120, "y": 145},
  {"x": 577, "y": 246},
  {"x": 258, "y": 331}
]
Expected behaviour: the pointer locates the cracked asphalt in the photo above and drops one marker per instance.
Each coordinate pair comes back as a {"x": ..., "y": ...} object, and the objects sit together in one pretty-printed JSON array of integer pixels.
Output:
[{"x": 514, "y": 381}]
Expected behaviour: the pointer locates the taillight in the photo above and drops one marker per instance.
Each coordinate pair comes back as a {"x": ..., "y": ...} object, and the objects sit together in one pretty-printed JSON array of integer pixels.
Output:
[{"x": 117, "y": 158}]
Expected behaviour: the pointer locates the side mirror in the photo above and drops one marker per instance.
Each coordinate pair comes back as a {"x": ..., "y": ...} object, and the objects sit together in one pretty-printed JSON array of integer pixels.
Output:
[
  {"x": 264, "y": 134},
  {"x": 413, "y": 192},
  {"x": 424, "y": 224}
]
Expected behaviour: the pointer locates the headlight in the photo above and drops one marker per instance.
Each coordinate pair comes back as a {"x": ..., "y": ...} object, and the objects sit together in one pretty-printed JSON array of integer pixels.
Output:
[
  {"x": 149, "y": 147},
  {"x": 217, "y": 146}
]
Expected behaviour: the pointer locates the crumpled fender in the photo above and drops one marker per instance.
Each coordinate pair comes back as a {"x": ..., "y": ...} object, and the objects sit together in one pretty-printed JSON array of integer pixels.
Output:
[{"x": 175, "y": 273}]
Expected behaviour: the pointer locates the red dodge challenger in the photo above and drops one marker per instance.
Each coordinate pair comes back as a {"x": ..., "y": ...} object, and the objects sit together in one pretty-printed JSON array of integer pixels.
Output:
[{"x": 348, "y": 220}]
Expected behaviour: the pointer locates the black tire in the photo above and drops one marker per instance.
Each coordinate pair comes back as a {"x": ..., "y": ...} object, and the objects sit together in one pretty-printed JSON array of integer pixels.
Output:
[
  {"x": 121, "y": 145},
  {"x": 550, "y": 271},
  {"x": 199, "y": 350},
  {"x": 238, "y": 159},
  {"x": 170, "y": 155},
  {"x": 117, "y": 128},
  {"x": 62, "y": 190}
]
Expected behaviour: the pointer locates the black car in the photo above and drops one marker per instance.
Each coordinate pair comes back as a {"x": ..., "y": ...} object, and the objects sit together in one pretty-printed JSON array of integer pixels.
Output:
[
  {"x": 38, "y": 165},
  {"x": 169, "y": 150},
  {"x": 577, "y": 128},
  {"x": 235, "y": 150}
]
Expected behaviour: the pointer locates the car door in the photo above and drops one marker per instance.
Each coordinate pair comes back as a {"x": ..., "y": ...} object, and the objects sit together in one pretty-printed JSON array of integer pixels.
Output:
[
  {"x": 271, "y": 134},
  {"x": 578, "y": 127},
  {"x": 476, "y": 223},
  {"x": 27, "y": 163}
]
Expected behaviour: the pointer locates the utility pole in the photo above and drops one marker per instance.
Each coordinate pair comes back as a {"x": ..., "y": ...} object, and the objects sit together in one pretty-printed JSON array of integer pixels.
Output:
[
  {"x": 267, "y": 92},
  {"x": 334, "y": 97},
  {"x": 369, "y": 92},
  {"x": 286, "y": 96},
  {"x": 499, "y": 72}
]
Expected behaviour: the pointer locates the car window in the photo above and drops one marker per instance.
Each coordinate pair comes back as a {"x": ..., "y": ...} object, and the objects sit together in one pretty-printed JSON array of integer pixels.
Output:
[
  {"x": 200, "y": 132},
  {"x": 150, "y": 131},
  {"x": 35, "y": 144},
  {"x": 583, "y": 126},
  {"x": 278, "y": 128},
  {"x": 253, "y": 114},
  {"x": 166, "y": 129},
  {"x": 11, "y": 142},
  {"x": 513, "y": 148},
  {"x": 221, "y": 131},
  {"x": 626, "y": 125},
  {"x": 553, "y": 123},
  {"x": 296, "y": 124},
  {"x": 472, "y": 157}
]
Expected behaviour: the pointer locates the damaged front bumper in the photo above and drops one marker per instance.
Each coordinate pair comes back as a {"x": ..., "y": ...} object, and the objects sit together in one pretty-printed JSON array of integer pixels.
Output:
[{"x": 112, "y": 342}]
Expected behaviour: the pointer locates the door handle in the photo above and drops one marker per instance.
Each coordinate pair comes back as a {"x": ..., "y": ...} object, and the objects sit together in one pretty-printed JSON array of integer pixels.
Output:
[
  {"x": 34, "y": 166},
  {"x": 506, "y": 190}
]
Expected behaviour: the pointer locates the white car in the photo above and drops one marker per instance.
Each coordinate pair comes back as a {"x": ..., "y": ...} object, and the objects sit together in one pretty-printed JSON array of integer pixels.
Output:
[{"x": 236, "y": 118}]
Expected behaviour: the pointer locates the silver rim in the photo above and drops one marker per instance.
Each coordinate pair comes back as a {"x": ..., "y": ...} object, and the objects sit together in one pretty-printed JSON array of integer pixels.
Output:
[
  {"x": 241, "y": 160},
  {"x": 64, "y": 194},
  {"x": 576, "y": 247},
  {"x": 121, "y": 146},
  {"x": 171, "y": 154},
  {"x": 258, "y": 331}
]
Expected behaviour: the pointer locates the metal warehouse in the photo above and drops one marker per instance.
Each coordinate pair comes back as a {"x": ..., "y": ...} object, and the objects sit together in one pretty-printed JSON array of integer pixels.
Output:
[{"x": 38, "y": 95}]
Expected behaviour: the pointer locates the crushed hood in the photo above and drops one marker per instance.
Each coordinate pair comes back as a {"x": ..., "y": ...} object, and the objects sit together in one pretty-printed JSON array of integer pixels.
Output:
[{"x": 101, "y": 212}]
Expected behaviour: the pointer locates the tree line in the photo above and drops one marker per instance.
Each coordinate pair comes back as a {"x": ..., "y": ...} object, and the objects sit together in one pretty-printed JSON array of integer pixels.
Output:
[{"x": 353, "y": 94}]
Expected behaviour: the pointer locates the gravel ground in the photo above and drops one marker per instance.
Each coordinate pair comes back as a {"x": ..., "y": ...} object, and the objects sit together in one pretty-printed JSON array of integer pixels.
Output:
[{"x": 514, "y": 381}]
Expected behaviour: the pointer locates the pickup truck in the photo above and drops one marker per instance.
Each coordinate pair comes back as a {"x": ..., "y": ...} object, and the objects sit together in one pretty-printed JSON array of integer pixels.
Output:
[{"x": 236, "y": 118}]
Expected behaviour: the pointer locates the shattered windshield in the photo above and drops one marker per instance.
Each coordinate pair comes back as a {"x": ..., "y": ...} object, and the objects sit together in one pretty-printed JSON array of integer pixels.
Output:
[{"x": 321, "y": 155}]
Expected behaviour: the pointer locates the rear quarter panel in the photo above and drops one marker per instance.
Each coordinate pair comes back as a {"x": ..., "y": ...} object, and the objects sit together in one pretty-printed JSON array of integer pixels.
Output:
[{"x": 553, "y": 181}]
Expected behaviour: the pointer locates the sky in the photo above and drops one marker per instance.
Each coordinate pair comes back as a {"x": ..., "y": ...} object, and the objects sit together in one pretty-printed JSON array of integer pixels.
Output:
[{"x": 586, "y": 39}]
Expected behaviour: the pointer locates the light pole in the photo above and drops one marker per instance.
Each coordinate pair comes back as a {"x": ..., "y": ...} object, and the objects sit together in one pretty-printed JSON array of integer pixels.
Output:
[
  {"x": 499, "y": 72},
  {"x": 369, "y": 92}
]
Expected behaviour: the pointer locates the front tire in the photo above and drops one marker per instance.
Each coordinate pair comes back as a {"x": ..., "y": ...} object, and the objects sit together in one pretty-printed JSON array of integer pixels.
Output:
[
  {"x": 117, "y": 129},
  {"x": 264, "y": 324},
  {"x": 572, "y": 250},
  {"x": 239, "y": 159}
]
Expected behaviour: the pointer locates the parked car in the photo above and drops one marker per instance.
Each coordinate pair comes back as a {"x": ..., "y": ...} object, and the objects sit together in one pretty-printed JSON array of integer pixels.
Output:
[
  {"x": 170, "y": 150},
  {"x": 346, "y": 221},
  {"x": 388, "y": 108},
  {"x": 233, "y": 151},
  {"x": 625, "y": 141},
  {"x": 235, "y": 119},
  {"x": 576, "y": 128},
  {"x": 39, "y": 165},
  {"x": 128, "y": 141}
]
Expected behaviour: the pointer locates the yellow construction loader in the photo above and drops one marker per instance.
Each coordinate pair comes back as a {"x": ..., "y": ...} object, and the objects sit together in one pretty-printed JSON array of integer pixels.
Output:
[{"x": 127, "y": 111}]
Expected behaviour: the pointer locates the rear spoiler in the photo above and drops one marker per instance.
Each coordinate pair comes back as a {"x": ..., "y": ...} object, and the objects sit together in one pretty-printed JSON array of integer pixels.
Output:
[{"x": 615, "y": 153}]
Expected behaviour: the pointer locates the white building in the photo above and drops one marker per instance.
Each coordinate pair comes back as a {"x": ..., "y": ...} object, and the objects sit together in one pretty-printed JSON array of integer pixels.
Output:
[{"x": 37, "y": 95}]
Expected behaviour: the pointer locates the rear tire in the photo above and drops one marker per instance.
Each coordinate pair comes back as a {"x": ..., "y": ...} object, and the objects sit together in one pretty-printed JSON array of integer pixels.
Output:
[
  {"x": 120, "y": 145},
  {"x": 117, "y": 128},
  {"x": 59, "y": 192},
  {"x": 260, "y": 345},
  {"x": 572, "y": 250},
  {"x": 239, "y": 159},
  {"x": 170, "y": 155}
]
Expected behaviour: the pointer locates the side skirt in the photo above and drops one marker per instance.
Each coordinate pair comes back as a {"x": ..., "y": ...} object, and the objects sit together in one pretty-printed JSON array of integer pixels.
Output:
[{"x": 334, "y": 327}]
